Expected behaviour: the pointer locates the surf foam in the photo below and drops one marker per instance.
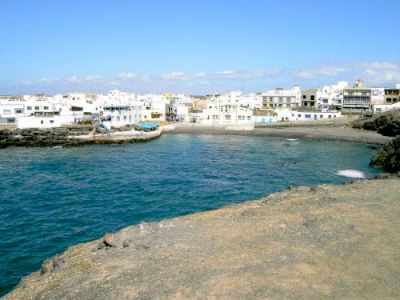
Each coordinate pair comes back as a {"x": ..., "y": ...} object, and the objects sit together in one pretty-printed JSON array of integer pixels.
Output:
[{"x": 351, "y": 173}]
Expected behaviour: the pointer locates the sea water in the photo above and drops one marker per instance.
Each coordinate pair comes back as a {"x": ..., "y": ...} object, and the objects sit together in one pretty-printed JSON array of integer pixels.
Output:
[{"x": 52, "y": 198}]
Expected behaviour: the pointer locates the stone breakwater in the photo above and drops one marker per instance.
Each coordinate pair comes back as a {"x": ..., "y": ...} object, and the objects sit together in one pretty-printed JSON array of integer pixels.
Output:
[
  {"x": 305, "y": 242},
  {"x": 67, "y": 136}
]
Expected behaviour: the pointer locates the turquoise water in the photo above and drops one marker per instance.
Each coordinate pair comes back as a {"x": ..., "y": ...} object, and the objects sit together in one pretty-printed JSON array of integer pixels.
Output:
[{"x": 52, "y": 198}]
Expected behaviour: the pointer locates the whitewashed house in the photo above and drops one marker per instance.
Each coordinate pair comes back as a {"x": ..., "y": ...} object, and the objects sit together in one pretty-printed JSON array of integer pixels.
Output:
[
  {"x": 120, "y": 115},
  {"x": 10, "y": 111},
  {"x": 313, "y": 115},
  {"x": 154, "y": 107},
  {"x": 228, "y": 109},
  {"x": 280, "y": 98},
  {"x": 44, "y": 114},
  {"x": 83, "y": 106},
  {"x": 330, "y": 97},
  {"x": 177, "y": 109}
]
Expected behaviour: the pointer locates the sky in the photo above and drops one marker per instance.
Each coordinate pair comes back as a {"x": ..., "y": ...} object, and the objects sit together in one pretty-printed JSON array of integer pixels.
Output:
[{"x": 196, "y": 46}]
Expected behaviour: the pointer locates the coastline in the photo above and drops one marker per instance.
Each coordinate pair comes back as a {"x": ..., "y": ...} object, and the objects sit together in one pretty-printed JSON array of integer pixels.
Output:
[
  {"x": 64, "y": 137},
  {"x": 314, "y": 132},
  {"x": 323, "y": 131},
  {"x": 321, "y": 241}
]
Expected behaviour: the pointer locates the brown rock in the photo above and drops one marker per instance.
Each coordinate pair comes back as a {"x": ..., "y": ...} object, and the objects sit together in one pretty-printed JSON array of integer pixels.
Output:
[{"x": 108, "y": 239}]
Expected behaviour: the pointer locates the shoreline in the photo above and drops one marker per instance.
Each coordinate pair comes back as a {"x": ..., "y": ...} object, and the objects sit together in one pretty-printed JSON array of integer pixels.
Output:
[
  {"x": 316, "y": 131},
  {"x": 311, "y": 132},
  {"x": 320, "y": 241},
  {"x": 61, "y": 137}
]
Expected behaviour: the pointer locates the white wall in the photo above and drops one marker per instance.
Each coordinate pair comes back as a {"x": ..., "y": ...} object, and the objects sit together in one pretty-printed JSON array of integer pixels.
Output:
[
  {"x": 380, "y": 108},
  {"x": 312, "y": 116},
  {"x": 44, "y": 122}
]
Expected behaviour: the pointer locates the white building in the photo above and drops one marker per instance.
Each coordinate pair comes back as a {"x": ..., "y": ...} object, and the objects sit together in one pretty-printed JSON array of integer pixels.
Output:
[
  {"x": 282, "y": 99},
  {"x": 119, "y": 115},
  {"x": 154, "y": 107},
  {"x": 331, "y": 96},
  {"x": 313, "y": 115},
  {"x": 10, "y": 111},
  {"x": 377, "y": 96},
  {"x": 228, "y": 109},
  {"x": 44, "y": 114},
  {"x": 177, "y": 108}
]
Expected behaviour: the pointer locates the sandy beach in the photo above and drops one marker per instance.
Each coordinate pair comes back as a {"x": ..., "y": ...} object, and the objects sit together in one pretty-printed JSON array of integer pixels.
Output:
[{"x": 315, "y": 132}]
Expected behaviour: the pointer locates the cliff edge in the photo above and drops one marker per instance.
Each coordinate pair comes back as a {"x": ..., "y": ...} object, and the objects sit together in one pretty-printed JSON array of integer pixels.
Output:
[{"x": 323, "y": 241}]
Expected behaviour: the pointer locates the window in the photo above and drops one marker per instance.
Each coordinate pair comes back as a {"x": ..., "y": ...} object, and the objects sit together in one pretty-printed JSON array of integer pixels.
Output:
[
  {"x": 321, "y": 116},
  {"x": 312, "y": 97},
  {"x": 29, "y": 107},
  {"x": 307, "y": 116},
  {"x": 6, "y": 112},
  {"x": 228, "y": 117},
  {"x": 299, "y": 115},
  {"x": 18, "y": 111},
  {"x": 248, "y": 118},
  {"x": 51, "y": 121},
  {"x": 304, "y": 97},
  {"x": 45, "y": 108},
  {"x": 41, "y": 122},
  {"x": 37, "y": 107},
  {"x": 118, "y": 118}
]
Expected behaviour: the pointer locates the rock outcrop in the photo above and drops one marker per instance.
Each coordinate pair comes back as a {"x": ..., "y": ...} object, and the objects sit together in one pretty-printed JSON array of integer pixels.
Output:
[
  {"x": 387, "y": 124},
  {"x": 76, "y": 135},
  {"x": 35, "y": 137},
  {"x": 388, "y": 157}
]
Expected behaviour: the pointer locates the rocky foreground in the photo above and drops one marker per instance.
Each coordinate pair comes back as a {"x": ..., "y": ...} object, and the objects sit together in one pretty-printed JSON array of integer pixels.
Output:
[{"x": 323, "y": 241}]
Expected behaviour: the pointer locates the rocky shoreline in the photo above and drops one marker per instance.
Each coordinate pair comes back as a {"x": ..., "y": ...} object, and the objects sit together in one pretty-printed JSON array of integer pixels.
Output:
[
  {"x": 66, "y": 136},
  {"x": 77, "y": 135},
  {"x": 305, "y": 242}
]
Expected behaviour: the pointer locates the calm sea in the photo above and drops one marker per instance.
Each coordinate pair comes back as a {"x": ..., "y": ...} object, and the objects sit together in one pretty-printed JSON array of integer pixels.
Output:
[{"x": 52, "y": 198}]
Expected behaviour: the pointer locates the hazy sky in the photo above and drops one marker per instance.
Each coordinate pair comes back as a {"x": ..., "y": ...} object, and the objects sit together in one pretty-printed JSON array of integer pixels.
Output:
[{"x": 195, "y": 46}]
